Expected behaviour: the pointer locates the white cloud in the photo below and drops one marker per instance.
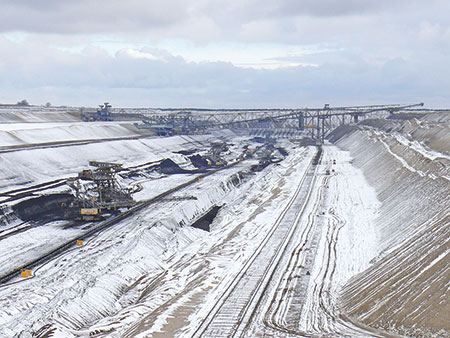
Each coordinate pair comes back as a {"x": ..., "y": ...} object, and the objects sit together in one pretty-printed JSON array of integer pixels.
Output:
[
  {"x": 166, "y": 80},
  {"x": 136, "y": 54},
  {"x": 236, "y": 53}
]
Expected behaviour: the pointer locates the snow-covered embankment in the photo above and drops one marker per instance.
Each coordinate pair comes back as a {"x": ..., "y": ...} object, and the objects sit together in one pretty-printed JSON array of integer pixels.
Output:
[{"x": 406, "y": 289}]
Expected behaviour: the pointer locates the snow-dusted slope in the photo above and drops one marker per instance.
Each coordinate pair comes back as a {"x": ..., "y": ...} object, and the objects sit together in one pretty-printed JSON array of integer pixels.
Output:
[
  {"x": 431, "y": 130},
  {"x": 35, "y": 133},
  {"x": 407, "y": 288},
  {"x": 37, "y": 165},
  {"x": 38, "y": 114},
  {"x": 111, "y": 270}
]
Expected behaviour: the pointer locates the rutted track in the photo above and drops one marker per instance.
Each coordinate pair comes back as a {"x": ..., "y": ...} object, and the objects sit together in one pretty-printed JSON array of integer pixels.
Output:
[
  {"x": 106, "y": 224},
  {"x": 232, "y": 312},
  {"x": 292, "y": 310},
  {"x": 266, "y": 291},
  {"x": 276, "y": 317}
]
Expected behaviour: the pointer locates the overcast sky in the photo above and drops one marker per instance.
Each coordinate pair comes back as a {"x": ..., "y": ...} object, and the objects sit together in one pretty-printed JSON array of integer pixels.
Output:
[{"x": 215, "y": 53}]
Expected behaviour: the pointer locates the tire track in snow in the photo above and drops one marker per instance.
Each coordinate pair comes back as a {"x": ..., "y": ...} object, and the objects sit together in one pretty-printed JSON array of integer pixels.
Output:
[
  {"x": 322, "y": 315},
  {"x": 276, "y": 316},
  {"x": 234, "y": 311}
]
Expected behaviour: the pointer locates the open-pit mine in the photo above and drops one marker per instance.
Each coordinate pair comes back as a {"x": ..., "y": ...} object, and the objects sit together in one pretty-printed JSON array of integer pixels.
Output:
[{"x": 314, "y": 222}]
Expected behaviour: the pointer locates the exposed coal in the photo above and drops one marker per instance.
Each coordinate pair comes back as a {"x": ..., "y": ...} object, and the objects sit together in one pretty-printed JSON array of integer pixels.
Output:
[
  {"x": 306, "y": 141},
  {"x": 43, "y": 208},
  {"x": 199, "y": 161},
  {"x": 260, "y": 166},
  {"x": 185, "y": 152},
  {"x": 317, "y": 157},
  {"x": 205, "y": 221},
  {"x": 283, "y": 151},
  {"x": 169, "y": 167},
  {"x": 258, "y": 139}
]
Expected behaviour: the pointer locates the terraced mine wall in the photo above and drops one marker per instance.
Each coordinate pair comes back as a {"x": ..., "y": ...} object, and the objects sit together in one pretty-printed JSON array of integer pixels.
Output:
[{"x": 405, "y": 291}]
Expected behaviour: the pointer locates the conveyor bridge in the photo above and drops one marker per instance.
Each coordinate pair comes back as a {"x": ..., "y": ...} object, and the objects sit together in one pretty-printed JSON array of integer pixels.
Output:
[{"x": 313, "y": 122}]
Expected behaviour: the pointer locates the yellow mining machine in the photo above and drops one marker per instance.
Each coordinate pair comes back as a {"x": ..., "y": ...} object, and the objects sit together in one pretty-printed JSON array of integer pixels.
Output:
[{"x": 98, "y": 193}]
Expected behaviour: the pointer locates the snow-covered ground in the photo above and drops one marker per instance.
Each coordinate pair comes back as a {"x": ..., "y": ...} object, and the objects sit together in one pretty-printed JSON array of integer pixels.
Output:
[
  {"x": 35, "y": 133},
  {"x": 382, "y": 209},
  {"x": 406, "y": 289},
  {"x": 12, "y": 115}
]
